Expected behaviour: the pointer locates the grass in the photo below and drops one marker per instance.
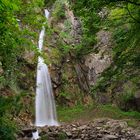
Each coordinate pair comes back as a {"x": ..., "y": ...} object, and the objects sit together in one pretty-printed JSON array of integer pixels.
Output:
[
  {"x": 88, "y": 113},
  {"x": 116, "y": 113},
  {"x": 68, "y": 114}
]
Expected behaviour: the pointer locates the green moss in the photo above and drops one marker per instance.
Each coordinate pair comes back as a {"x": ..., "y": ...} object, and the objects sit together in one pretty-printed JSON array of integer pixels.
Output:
[
  {"x": 45, "y": 137},
  {"x": 62, "y": 136},
  {"x": 132, "y": 123},
  {"x": 117, "y": 12}
]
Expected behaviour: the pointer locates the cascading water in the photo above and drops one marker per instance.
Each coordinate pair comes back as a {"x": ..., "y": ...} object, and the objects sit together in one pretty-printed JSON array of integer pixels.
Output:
[{"x": 45, "y": 104}]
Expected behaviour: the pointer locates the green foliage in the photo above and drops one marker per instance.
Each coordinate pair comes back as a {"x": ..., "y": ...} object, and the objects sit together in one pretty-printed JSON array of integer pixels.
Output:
[
  {"x": 20, "y": 22},
  {"x": 59, "y": 10},
  {"x": 49, "y": 3},
  {"x": 90, "y": 20},
  {"x": 9, "y": 107},
  {"x": 126, "y": 97},
  {"x": 64, "y": 95},
  {"x": 9, "y": 38},
  {"x": 123, "y": 22},
  {"x": 129, "y": 93},
  {"x": 7, "y": 129},
  {"x": 117, "y": 12}
]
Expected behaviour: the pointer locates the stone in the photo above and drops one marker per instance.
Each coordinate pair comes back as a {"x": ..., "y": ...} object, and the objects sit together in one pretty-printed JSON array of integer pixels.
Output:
[
  {"x": 101, "y": 129},
  {"x": 99, "y": 135},
  {"x": 137, "y": 137},
  {"x": 27, "y": 132},
  {"x": 98, "y": 128},
  {"x": 73, "y": 129},
  {"x": 98, "y": 62},
  {"x": 69, "y": 134},
  {"x": 82, "y": 127},
  {"x": 110, "y": 137}
]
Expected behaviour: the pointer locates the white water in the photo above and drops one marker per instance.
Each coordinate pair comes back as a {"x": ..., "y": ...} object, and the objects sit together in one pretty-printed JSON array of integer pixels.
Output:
[
  {"x": 35, "y": 135},
  {"x": 45, "y": 104}
]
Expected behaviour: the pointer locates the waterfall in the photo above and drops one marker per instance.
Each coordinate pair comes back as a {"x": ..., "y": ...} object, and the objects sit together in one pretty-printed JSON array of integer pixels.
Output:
[{"x": 44, "y": 103}]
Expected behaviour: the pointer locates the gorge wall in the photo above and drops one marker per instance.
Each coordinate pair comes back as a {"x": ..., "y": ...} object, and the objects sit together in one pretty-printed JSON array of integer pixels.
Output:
[{"x": 75, "y": 78}]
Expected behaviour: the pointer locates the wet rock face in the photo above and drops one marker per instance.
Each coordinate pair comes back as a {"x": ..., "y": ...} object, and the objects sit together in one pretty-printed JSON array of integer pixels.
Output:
[
  {"x": 137, "y": 100},
  {"x": 66, "y": 72},
  {"x": 98, "y": 62},
  {"x": 101, "y": 129}
]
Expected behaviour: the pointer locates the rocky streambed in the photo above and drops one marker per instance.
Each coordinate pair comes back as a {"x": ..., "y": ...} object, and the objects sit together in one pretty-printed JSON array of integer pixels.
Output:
[{"x": 100, "y": 129}]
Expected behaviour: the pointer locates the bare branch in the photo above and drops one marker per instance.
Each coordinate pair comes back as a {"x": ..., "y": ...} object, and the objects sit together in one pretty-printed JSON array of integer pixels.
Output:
[
  {"x": 128, "y": 1},
  {"x": 132, "y": 15},
  {"x": 135, "y": 3}
]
